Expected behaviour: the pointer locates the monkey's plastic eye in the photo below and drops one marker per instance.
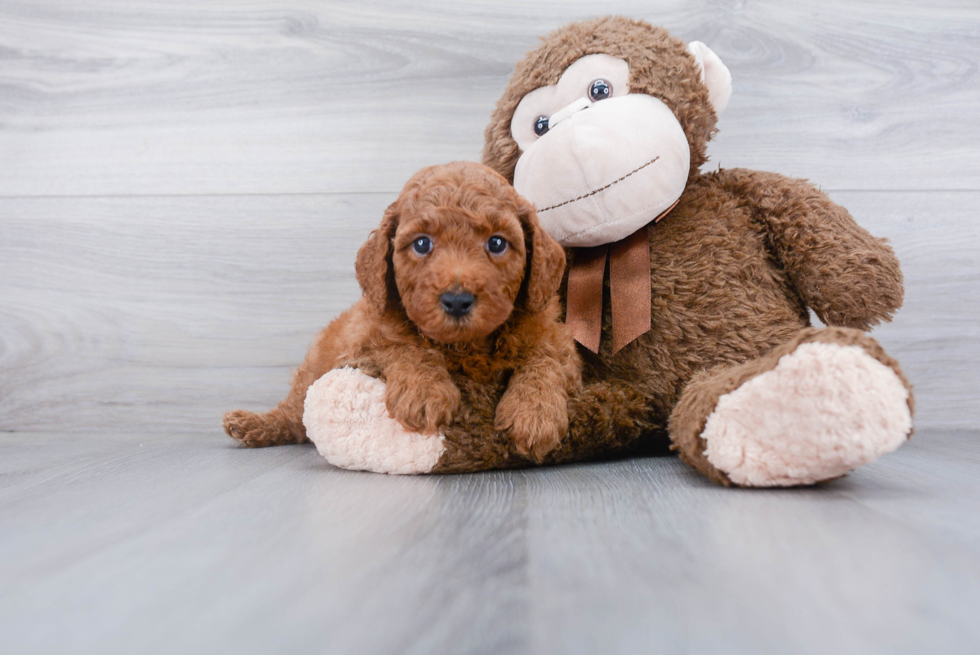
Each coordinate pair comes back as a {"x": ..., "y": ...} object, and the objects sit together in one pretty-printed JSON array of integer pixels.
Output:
[
  {"x": 600, "y": 90},
  {"x": 497, "y": 245},
  {"x": 422, "y": 245},
  {"x": 540, "y": 125}
]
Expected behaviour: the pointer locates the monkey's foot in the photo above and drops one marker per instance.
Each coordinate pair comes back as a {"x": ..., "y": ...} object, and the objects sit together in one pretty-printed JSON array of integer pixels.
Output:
[
  {"x": 810, "y": 411},
  {"x": 345, "y": 416},
  {"x": 824, "y": 410}
]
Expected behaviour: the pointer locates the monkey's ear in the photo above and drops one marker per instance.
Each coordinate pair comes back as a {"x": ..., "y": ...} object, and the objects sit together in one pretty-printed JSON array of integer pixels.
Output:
[
  {"x": 374, "y": 267},
  {"x": 545, "y": 260},
  {"x": 714, "y": 74}
]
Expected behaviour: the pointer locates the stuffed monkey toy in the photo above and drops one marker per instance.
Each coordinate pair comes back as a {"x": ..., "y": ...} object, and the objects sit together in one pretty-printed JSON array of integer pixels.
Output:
[{"x": 688, "y": 292}]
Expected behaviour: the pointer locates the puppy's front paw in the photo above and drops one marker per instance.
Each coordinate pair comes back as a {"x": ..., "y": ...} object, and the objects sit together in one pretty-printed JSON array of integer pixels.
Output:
[
  {"x": 536, "y": 421},
  {"x": 420, "y": 404}
]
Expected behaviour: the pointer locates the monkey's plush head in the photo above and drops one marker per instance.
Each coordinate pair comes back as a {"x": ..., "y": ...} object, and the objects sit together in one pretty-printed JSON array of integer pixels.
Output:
[{"x": 603, "y": 125}]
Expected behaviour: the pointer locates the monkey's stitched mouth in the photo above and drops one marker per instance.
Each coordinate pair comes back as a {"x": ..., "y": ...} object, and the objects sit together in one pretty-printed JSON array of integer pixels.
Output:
[{"x": 601, "y": 189}]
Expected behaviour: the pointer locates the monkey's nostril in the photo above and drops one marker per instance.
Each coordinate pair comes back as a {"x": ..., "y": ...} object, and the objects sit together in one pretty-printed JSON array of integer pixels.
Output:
[{"x": 457, "y": 303}]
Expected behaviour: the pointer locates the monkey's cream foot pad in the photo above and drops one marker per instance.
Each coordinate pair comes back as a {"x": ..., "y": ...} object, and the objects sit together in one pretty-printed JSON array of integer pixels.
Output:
[
  {"x": 824, "y": 410},
  {"x": 346, "y": 418}
]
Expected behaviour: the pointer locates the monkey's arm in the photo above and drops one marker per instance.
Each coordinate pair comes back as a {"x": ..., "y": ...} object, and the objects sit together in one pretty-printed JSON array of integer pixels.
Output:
[{"x": 847, "y": 276}]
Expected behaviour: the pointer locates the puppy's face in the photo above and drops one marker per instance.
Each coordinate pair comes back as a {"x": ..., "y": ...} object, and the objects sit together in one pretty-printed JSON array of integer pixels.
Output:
[
  {"x": 458, "y": 251},
  {"x": 459, "y": 264}
]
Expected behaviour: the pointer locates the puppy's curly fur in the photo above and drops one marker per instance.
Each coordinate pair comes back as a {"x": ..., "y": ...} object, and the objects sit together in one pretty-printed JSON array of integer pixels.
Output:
[{"x": 457, "y": 231}]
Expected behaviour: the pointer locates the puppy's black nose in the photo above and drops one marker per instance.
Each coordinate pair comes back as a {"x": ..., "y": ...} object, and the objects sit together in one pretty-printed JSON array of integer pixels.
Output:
[{"x": 457, "y": 303}]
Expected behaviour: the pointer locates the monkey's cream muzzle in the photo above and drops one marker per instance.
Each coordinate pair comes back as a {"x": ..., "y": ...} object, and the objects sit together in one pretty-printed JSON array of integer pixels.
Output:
[{"x": 605, "y": 169}]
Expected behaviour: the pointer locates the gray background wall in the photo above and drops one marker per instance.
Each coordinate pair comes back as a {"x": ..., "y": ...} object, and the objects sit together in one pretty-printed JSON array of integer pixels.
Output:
[{"x": 183, "y": 185}]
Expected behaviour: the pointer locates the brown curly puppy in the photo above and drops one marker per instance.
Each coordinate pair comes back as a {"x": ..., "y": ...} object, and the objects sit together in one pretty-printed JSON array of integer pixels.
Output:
[{"x": 459, "y": 287}]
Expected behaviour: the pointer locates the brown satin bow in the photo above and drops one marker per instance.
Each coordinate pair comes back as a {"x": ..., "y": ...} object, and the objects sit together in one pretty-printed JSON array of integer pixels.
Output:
[{"x": 629, "y": 289}]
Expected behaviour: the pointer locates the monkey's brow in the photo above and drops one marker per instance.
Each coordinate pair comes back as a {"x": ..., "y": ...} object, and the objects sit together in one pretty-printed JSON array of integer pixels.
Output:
[{"x": 595, "y": 191}]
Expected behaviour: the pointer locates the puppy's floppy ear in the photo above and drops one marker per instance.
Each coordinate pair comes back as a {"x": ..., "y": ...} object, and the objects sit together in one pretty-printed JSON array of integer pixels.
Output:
[
  {"x": 545, "y": 259},
  {"x": 374, "y": 269}
]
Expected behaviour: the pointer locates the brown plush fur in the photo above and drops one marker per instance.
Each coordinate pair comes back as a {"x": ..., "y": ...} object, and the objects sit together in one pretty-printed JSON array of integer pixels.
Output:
[
  {"x": 509, "y": 353},
  {"x": 733, "y": 268}
]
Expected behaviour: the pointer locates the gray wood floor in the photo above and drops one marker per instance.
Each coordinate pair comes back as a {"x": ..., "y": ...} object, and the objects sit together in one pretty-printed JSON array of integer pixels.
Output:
[
  {"x": 179, "y": 543},
  {"x": 183, "y": 186}
]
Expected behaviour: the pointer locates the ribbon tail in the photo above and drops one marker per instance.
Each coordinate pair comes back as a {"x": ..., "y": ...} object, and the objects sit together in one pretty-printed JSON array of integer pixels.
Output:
[
  {"x": 583, "y": 313},
  {"x": 629, "y": 284}
]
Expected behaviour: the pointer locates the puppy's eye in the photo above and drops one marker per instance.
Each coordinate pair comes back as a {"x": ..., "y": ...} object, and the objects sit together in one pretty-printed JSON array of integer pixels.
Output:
[
  {"x": 422, "y": 245},
  {"x": 540, "y": 125},
  {"x": 600, "y": 90},
  {"x": 497, "y": 245}
]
